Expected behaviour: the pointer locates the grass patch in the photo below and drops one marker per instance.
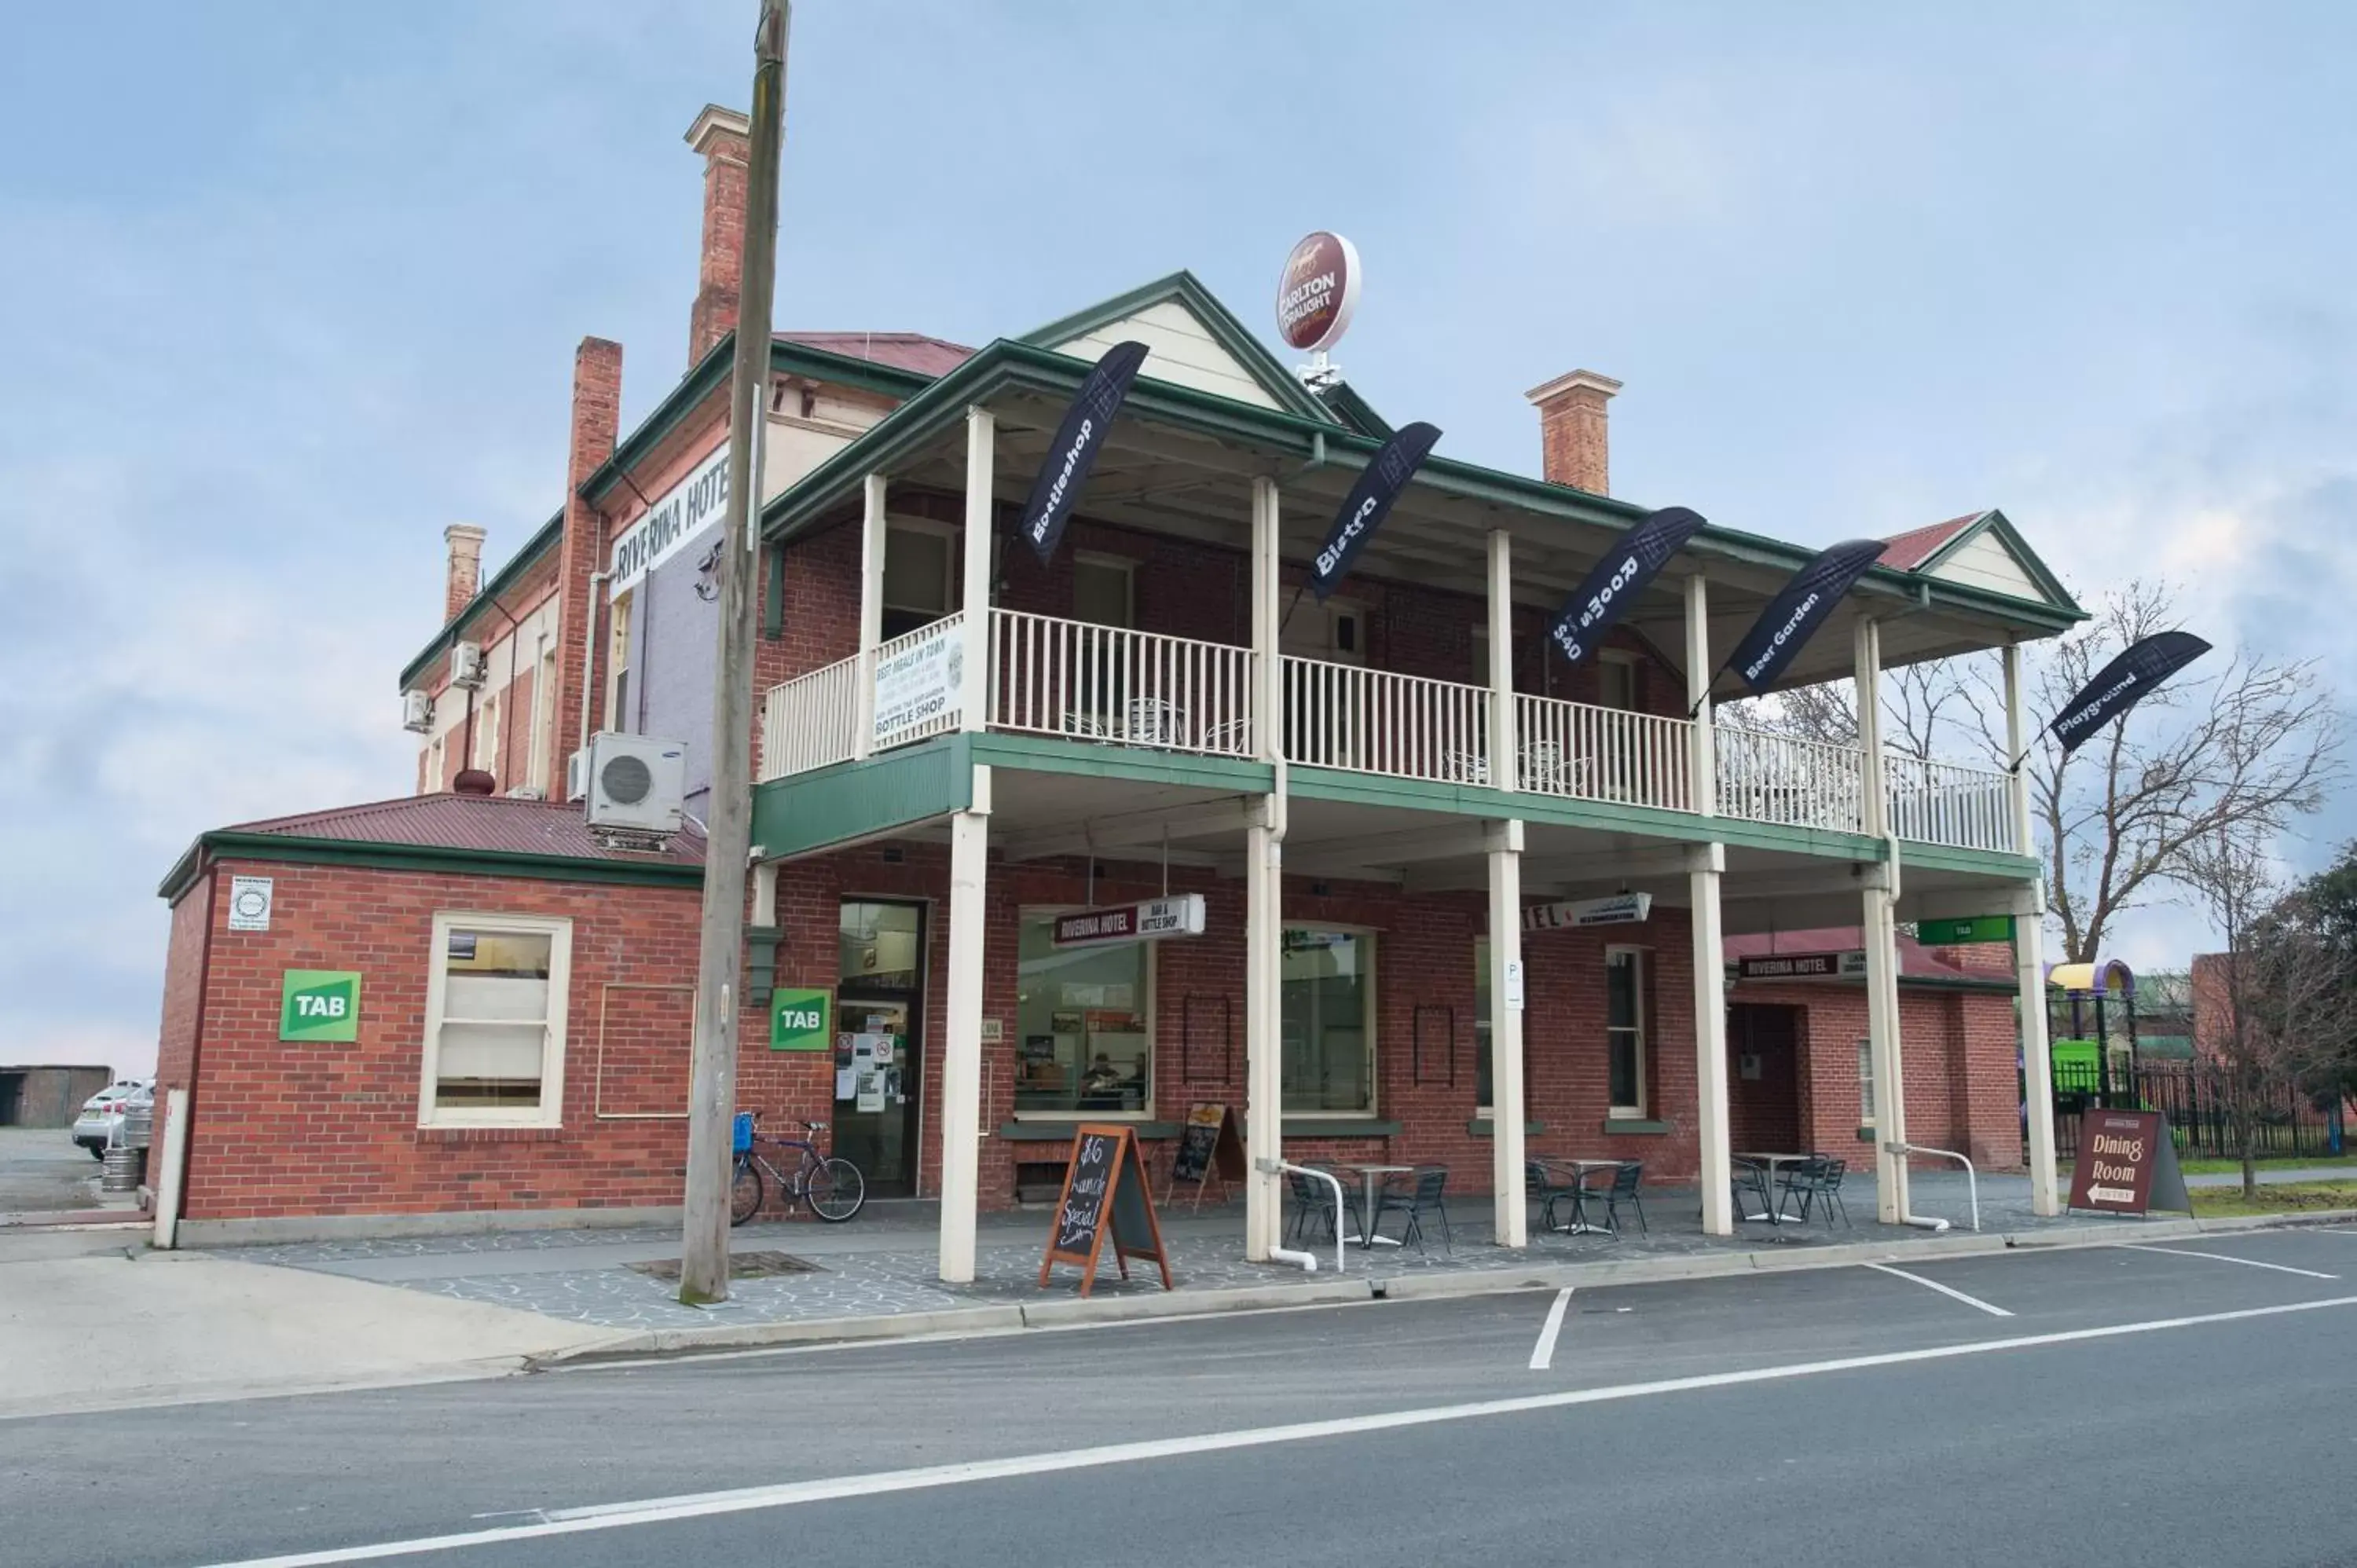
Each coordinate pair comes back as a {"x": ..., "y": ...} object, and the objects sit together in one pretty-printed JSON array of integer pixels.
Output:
[
  {"x": 2234, "y": 1167},
  {"x": 2274, "y": 1197}
]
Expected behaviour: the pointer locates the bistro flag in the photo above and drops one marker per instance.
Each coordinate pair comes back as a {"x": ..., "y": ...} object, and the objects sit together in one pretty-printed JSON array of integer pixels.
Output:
[
  {"x": 1607, "y": 592},
  {"x": 1074, "y": 451},
  {"x": 1785, "y": 627},
  {"x": 2125, "y": 681},
  {"x": 1368, "y": 501}
]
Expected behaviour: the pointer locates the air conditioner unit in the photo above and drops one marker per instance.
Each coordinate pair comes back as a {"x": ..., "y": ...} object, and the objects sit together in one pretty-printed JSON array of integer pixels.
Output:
[
  {"x": 576, "y": 775},
  {"x": 465, "y": 664},
  {"x": 416, "y": 712},
  {"x": 637, "y": 783}
]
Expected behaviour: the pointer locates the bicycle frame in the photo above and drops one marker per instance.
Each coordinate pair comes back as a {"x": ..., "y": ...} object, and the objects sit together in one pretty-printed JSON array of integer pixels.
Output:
[{"x": 796, "y": 1190}]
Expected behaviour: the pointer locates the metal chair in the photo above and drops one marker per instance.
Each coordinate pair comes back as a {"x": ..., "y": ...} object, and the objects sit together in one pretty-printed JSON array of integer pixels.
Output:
[
  {"x": 1310, "y": 1207},
  {"x": 1428, "y": 1192},
  {"x": 1816, "y": 1182},
  {"x": 1626, "y": 1180},
  {"x": 1546, "y": 1188},
  {"x": 1752, "y": 1180}
]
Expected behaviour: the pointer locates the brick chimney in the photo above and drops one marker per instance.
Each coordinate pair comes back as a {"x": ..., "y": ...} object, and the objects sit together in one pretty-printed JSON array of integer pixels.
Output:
[
  {"x": 466, "y": 542},
  {"x": 723, "y": 136},
  {"x": 1572, "y": 434},
  {"x": 597, "y": 419}
]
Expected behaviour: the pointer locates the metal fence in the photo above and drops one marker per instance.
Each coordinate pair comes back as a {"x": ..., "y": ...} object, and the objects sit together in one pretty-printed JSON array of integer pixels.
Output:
[{"x": 2199, "y": 1105}]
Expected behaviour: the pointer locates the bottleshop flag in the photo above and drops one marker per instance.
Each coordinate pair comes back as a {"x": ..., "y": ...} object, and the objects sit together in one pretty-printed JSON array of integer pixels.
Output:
[
  {"x": 1606, "y": 593},
  {"x": 1792, "y": 617},
  {"x": 1369, "y": 502},
  {"x": 1078, "y": 441},
  {"x": 2125, "y": 681}
]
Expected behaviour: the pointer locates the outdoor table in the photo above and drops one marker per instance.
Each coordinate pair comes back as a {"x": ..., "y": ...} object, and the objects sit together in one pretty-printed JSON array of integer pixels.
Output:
[
  {"x": 1578, "y": 1169},
  {"x": 1768, "y": 1164},
  {"x": 1371, "y": 1178}
]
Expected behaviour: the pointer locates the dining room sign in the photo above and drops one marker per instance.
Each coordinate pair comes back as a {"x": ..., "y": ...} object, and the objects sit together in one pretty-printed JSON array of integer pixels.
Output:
[{"x": 2127, "y": 1163}]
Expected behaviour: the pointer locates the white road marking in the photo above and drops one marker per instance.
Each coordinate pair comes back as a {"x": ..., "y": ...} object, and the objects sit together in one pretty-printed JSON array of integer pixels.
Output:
[
  {"x": 1542, "y": 1353},
  {"x": 1943, "y": 1290},
  {"x": 2226, "y": 1258},
  {"x": 704, "y": 1505}
]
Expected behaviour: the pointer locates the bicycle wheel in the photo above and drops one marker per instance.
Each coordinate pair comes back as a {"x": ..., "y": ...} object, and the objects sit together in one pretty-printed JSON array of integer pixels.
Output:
[
  {"x": 744, "y": 1192},
  {"x": 835, "y": 1187}
]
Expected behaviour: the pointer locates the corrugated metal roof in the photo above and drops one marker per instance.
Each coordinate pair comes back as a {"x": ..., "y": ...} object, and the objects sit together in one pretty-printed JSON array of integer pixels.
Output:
[
  {"x": 904, "y": 350},
  {"x": 1905, "y": 552},
  {"x": 472, "y": 822}
]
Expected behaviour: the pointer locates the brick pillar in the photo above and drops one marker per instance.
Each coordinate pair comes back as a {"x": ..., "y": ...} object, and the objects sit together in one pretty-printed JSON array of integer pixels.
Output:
[
  {"x": 466, "y": 545},
  {"x": 722, "y": 136},
  {"x": 597, "y": 415},
  {"x": 1572, "y": 434}
]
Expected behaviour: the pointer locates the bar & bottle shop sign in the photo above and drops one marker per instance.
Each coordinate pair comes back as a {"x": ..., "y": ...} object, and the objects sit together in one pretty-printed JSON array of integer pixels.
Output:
[{"x": 1178, "y": 916}]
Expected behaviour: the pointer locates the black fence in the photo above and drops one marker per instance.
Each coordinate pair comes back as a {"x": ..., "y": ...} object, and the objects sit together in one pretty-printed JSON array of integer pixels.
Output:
[{"x": 2198, "y": 1104}]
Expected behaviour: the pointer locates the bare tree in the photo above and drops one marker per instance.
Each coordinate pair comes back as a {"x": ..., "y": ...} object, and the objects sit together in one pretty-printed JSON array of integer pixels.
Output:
[
  {"x": 2289, "y": 1007},
  {"x": 1924, "y": 710}
]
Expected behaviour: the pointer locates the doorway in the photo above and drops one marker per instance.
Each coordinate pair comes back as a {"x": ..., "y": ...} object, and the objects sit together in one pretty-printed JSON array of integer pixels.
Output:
[
  {"x": 879, "y": 1043},
  {"x": 1763, "y": 1077}
]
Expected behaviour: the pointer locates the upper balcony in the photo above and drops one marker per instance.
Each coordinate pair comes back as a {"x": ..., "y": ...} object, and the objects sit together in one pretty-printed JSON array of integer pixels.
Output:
[{"x": 1110, "y": 686}]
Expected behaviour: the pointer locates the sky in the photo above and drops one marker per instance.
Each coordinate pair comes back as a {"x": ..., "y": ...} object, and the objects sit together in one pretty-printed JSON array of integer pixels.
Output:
[{"x": 286, "y": 290}]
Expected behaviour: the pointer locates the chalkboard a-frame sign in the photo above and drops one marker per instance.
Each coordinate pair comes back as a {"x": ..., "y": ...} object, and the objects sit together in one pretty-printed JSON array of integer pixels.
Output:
[
  {"x": 1105, "y": 1189},
  {"x": 1208, "y": 1148}
]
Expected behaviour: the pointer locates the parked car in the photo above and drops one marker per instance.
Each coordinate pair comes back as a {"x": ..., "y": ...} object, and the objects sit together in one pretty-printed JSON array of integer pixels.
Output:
[{"x": 102, "y": 1113}]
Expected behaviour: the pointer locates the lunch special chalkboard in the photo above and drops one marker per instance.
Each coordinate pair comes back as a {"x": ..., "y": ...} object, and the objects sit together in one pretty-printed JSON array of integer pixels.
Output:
[
  {"x": 1208, "y": 1147},
  {"x": 1104, "y": 1188}
]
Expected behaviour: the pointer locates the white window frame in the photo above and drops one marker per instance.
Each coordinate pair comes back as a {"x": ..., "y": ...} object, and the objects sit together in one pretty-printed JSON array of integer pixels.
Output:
[
  {"x": 617, "y": 660},
  {"x": 550, "y": 1112},
  {"x": 1098, "y": 560},
  {"x": 1622, "y": 660},
  {"x": 434, "y": 757},
  {"x": 1644, "y": 957},
  {"x": 543, "y": 713},
  {"x": 1373, "y": 940},
  {"x": 1148, "y": 1010},
  {"x": 950, "y": 534},
  {"x": 1866, "y": 1081},
  {"x": 487, "y": 733}
]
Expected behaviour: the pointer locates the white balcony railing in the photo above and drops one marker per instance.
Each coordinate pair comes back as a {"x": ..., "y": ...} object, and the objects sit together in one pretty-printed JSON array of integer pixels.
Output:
[
  {"x": 1948, "y": 803},
  {"x": 1373, "y": 721},
  {"x": 809, "y": 722},
  {"x": 1056, "y": 676},
  {"x": 1801, "y": 783},
  {"x": 1591, "y": 753}
]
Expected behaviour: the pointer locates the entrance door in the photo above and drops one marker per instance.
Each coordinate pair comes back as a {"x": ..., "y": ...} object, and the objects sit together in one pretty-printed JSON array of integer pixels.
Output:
[
  {"x": 1763, "y": 1077},
  {"x": 878, "y": 1045}
]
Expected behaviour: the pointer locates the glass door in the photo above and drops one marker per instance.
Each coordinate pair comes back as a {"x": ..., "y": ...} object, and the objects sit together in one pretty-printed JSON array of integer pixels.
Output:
[{"x": 878, "y": 1045}]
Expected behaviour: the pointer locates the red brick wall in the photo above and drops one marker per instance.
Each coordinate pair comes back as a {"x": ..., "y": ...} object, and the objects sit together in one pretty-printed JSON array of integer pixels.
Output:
[
  {"x": 596, "y": 421},
  {"x": 184, "y": 957}
]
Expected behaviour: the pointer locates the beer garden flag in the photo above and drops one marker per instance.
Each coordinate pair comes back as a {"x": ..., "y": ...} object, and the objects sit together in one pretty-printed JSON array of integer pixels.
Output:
[
  {"x": 1369, "y": 502},
  {"x": 1791, "y": 619},
  {"x": 1608, "y": 591},
  {"x": 2125, "y": 681},
  {"x": 1078, "y": 441}
]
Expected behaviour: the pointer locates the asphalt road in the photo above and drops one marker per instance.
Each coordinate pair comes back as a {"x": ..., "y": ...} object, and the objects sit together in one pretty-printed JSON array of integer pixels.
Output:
[
  {"x": 2132, "y": 1405},
  {"x": 43, "y": 1168}
]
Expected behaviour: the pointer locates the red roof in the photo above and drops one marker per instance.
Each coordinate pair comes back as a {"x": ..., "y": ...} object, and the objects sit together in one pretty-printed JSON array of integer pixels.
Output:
[
  {"x": 1914, "y": 961},
  {"x": 904, "y": 350},
  {"x": 472, "y": 822},
  {"x": 1905, "y": 552}
]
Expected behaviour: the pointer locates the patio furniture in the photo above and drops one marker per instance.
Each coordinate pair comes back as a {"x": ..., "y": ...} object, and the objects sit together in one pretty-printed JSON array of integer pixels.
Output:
[
  {"x": 1310, "y": 1209},
  {"x": 1579, "y": 1192},
  {"x": 1428, "y": 1194},
  {"x": 1371, "y": 1178},
  {"x": 1767, "y": 1166},
  {"x": 1817, "y": 1184},
  {"x": 1626, "y": 1176},
  {"x": 1154, "y": 721},
  {"x": 1548, "y": 1187}
]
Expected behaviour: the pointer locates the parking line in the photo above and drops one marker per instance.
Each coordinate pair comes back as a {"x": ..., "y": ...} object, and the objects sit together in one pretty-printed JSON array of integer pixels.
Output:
[
  {"x": 1542, "y": 1353},
  {"x": 2227, "y": 1258},
  {"x": 1943, "y": 1290}
]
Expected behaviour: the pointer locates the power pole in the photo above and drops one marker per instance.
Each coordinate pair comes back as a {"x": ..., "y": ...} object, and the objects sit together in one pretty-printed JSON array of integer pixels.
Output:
[{"x": 719, "y": 972}]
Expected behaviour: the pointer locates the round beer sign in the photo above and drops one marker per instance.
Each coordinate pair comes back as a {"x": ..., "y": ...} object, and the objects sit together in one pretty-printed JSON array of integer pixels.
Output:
[{"x": 1319, "y": 291}]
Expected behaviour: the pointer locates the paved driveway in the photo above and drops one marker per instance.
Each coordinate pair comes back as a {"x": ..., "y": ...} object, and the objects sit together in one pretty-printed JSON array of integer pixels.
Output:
[{"x": 40, "y": 1168}]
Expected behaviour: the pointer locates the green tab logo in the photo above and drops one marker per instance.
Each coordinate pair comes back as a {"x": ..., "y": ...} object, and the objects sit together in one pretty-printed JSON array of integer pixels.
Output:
[
  {"x": 320, "y": 1005},
  {"x": 798, "y": 1019}
]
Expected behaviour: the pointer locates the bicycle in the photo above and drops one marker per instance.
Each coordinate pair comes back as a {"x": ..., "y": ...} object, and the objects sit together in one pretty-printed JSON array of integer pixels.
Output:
[{"x": 833, "y": 1185}]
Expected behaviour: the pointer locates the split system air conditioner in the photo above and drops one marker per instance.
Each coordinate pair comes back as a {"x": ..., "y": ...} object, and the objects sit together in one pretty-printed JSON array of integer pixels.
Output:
[
  {"x": 416, "y": 712},
  {"x": 632, "y": 782},
  {"x": 465, "y": 664}
]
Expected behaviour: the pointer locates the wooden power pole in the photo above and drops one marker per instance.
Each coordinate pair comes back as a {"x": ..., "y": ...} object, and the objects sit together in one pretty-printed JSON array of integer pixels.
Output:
[{"x": 720, "y": 962}]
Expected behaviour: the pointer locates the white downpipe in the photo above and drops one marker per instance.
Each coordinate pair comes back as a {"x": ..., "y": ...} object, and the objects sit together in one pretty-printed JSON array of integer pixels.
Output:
[
  {"x": 1972, "y": 1183},
  {"x": 1308, "y": 1261}
]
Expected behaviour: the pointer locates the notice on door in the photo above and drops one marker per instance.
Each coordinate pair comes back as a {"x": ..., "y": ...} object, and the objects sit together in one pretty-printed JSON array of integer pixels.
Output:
[{"x": 2126, "y": 1164}]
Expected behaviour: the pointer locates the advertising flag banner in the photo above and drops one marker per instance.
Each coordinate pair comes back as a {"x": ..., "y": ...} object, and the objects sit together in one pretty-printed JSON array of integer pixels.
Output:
[
  {"x": 1078, "y": 441},
  {"x": 2125, "y": 681},
  {"x": 1369, "y": 502},
  {"x": 1792, "y": 617},
  {"x": 1607, "y": 592}
]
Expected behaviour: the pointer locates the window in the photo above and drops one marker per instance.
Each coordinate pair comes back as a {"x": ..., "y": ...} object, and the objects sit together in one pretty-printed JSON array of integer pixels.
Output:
[
  {"x": 1084, "y": 1038},
  {"x": 1483, "y": 1099},
  {"x": 434, "y": 754},
  {"x": 916, "y": 577},
  {"x": 1624, "y": 1030},
  {"x": 544, "y": 720},
  {"x": 495, "y": 1022},
  {"x": 487, "y": 735},
  {"x": 1866, "y": 1083},
  {"x": 1616, "y": 682},
  {"x": 1102, "y": 590},
  {"x": 878, "y": 945},
  {"x": 618, "y": 663},
  {"x": 1327, "y": 1003}
]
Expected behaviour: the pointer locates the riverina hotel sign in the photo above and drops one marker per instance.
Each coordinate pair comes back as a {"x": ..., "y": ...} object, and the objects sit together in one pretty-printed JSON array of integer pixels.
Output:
[{"x": 685, "y": 511}]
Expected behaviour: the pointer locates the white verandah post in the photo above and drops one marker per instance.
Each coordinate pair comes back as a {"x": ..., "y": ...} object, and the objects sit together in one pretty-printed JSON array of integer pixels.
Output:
[
  {"x": 1880, "y": 936},
  {"x": 1508, "y": 1115},
  {"x": 871, "y": 611},
  {"x": 2029, "y": 966},
  {"x": 1704, "y": 871},
  {"x": 1264, "y": 901}
]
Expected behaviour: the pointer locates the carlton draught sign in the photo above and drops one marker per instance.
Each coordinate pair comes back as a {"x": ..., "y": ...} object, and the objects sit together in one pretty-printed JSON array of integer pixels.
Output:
[{"x": 1319, "y": 291}]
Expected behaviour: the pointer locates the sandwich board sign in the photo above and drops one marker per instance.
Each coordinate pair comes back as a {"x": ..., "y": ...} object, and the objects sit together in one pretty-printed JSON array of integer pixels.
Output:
[
  {"x": 1104, "y": 1191},
  {"x": 2126, "y": 1164},
  {"x": 1208, "y": 1146}
]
